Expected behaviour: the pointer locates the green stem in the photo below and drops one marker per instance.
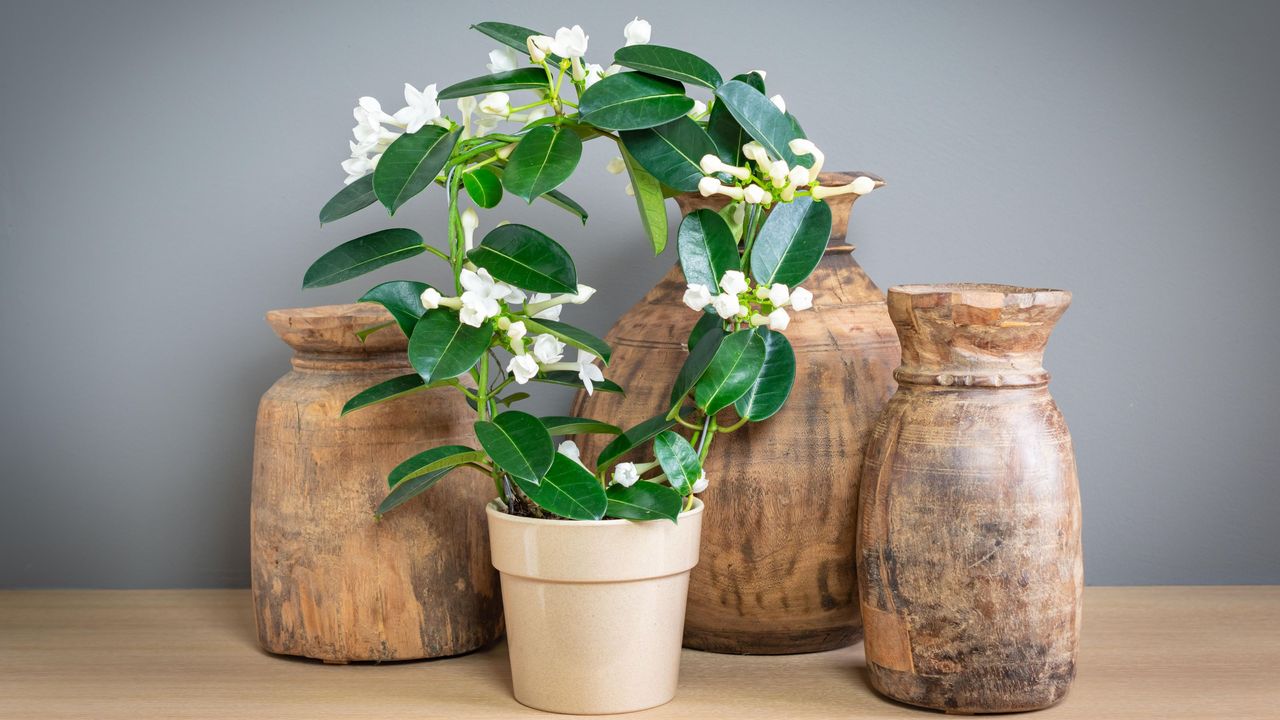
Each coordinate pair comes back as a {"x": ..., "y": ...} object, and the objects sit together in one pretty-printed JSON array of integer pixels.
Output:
[
  {"x": 749, "y": 235},
  {"x": 731, "y": 428}
]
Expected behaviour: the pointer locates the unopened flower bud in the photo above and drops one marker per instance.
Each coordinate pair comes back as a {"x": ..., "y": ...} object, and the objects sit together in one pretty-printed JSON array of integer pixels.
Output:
[{"x": 779, "y": 103}]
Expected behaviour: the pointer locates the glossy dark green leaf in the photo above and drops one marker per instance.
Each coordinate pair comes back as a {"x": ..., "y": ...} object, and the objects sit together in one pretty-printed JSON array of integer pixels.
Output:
[
  {"x": 529, "y": 78},
  {"x": 442, "y": 347},
  {"x": 411, "y": 163},
  {"x": 773, "y": 385},
  {"x": 705, "y": 324},
  {"x": 732, "y": 371},
  {"x": 569, "y": 425},
  {"x": 519, "y": 255},
  {"x": 544, "y": 159},
  {"x": 762, "y": 120},
  {"x": 695, "y": 365},
  {"x": 632, "y": 438},
  {"x": 560, "y": 200},
  {"x": 669, "y": 63},
  {"x": 364, "y": 254},
  {"x": 513, "y": 398},
  {"x": 707, "y": 249},
  {"x": 483, "y": 186},
  {"x": 671, "y": 152},
  {"x": 649, "y": 200},
  {"x": 569, "y": 378},
  {"x": 356, "y": 196},
  {"x": 575, "y": 336},
  {"x": 386, "y": 390},
  {"x": 409, "y": 488},
  {"x": 437, "y": 458},
  {"x": 401, "y": 298},
  {"x": 791, "y": 242},
  {"x": 633, "y": 100},
  {"x": 643, "y": 501},
  {"x": 725, "y": 132},
  {"x": 678, "y": 460},
  {"x": 364, "y": 333},
  {"x": 513, "y": 36},
  {"x": 568, "y": 490},
  {"x": 518, "y": 443}
]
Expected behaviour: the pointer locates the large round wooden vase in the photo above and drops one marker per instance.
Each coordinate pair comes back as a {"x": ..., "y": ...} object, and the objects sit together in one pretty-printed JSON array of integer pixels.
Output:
[
  {"x": 969, "y": 567},
  {"x": 776, "y": 573},
  {"x": 329, "y": 580}
]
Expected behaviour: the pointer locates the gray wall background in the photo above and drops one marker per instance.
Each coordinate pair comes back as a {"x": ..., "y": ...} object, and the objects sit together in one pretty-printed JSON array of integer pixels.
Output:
[{"x": 161, "y": 165}]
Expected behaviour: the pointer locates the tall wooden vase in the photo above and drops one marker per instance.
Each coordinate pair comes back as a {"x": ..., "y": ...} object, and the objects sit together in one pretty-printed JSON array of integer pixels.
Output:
[
  {"x": 776, "y": 573},
  {"x": 329, "y": 580},
  {"x": 969, "y": 567}
]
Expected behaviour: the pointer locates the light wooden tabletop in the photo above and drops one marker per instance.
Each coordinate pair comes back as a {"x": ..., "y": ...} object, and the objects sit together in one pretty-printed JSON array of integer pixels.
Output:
[{"x": 1169, "y": 652}]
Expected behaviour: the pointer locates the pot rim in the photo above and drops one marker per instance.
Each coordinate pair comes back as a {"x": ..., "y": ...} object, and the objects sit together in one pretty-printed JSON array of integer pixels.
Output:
[
  {"x": 492, "y": 508},
  {"x": 964, "y": 288}
]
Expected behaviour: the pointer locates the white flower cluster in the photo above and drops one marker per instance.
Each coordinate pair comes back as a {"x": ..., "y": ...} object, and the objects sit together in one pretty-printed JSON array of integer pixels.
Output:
[
  {"x": 772, "y": 179},
  {"x": 737, "y": 301},
  {"x": 371, "y": 135},
  {"x": 627, "y": 474}
]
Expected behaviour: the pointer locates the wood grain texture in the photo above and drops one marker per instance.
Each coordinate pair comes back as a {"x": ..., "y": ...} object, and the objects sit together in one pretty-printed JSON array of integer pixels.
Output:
[
  {"x": 329, "y": 580},
  {"x": 776, "y": 574},
  {"x": 1175, "y": 653},
  {"x": 970, "y": 568}
]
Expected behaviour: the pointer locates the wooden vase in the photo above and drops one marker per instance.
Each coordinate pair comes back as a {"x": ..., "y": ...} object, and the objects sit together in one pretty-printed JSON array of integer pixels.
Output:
[
  {"x": 969, "y": 561},
  {"x": 776, "y": 574},
  {"x": 329, "y": 580}
]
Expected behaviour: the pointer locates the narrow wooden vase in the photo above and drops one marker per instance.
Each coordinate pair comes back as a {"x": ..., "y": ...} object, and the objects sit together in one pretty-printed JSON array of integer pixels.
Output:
[
  {"x": 329, "y": 580},
  {"x": 969, "y": 562},
  {"x": 776, "y": 574}
]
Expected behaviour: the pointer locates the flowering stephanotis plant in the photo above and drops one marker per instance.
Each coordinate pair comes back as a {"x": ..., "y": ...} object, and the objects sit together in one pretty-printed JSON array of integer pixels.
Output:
[{"x": 499, "y": 325}]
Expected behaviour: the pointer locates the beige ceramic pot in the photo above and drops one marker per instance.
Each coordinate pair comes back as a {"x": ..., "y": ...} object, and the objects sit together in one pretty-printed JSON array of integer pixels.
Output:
[{"x": 594, "y": 609}]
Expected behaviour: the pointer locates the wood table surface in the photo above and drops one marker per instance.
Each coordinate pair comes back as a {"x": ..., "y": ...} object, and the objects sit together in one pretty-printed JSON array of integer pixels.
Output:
[{"x": 1148, "y": 652}]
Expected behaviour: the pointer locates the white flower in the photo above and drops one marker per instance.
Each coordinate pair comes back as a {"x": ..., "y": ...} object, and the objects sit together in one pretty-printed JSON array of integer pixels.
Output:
[
  {"x": 697, "y": 296},
  {"x": 470, "y": 221},
  {"x": 480, "y": 301},
  {"x": 514, "y": 294},
  {"x": 699, "y": 107},
  {"x": 756, "y": 195},
  {"x": 356, "y": 168},
  {"x": 517, "y": 330},
  {"x": 498, "y": 103},
  {"x": 701, "y": 483},
  {"x": 587, "y": 371},
  {"x": 431, "y": 298},
  {"x": 755, "y": 151},
  {"x": 569, "y": 449},
  {"x": 733, "y": 282},
  {"x": 802, "y": 146},
  {"x": 726, "y": 305},
  {"x": 547, "y": 349},
  {"x": 801, "y": 299},
  {"x": 860, "y": 186},
  {"x": 612, "y": 70},
  {"x": 420, "y": 108},
  {"x": 798, "y": 175},
  {"x": 779, "y": 103},
  {"x": 570, "y": 42},
  {"x": 616, "y": 166},
  {"x": 778, "y": 294},
  {"x": 710, "y": 164},
  {"x": 551, "y": 313},
  {"x": 637, "y": 32},
  {"x": 373, "y": 109},
  {"x": 625, "y": 474},
  {"x": 863, "y": 185},
  {"x": 584, "y": 294},
  {"x": 630, "y": 190},
  {"x": 539, "y": 46},
  {"x": 779, "y": 319},
  {"x": 503, "y": 59},
  {"x": 778, "y": 171},
  {"x": 523, "y": 367},
  {"x": 709, "y": 186},
  {"x": 595, "y": 73}
]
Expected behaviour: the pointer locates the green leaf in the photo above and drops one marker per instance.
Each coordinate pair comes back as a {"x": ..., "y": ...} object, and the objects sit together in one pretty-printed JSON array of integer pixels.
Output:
[
  {"x": 632, "y": 438},
  {"x": 725, "y": 132},
  {"x": 568, "y": 490},
  {"x": 791, "y": 242},
  {"x": 570, "y": 425},
  {"x": 569, "y": 378},
  {"x": 668, "y": 63},
  {"x": 519, "y": 444},
  {"x": 442, "y": 347},
  {"x": 678, "y": 460},
  {"x": 732, "y": 371},
  {"x": 513, "y": 36},
  {"x": 401, "y": 298},
  {"x": 513, "y": 398},
  {"x": 705, "y": 324},
  {"x": 671, "y": 152},
  {"x": 544, "y": 159},
  {"x": 364, "y": 254},
  {"x": 649, "y": 200},
  {"x": 707, "y": 249},
  {"x": 632, "y": 100},
  {"x": 411, "y": 163},
  {"x": 530, "y": 78},
  {"x": 389, "y": 390},
  {"x": 762, "y": 120},
  {"x": 560, "y": 200},
  {"x": 643, "y": 501},
  {"x": 406, "y": 488},
  {"x": 483, "y": 186},
  {"x": 437, "y": 458},
  {"x": 773, "y": 385},
  {"x": 524, "y": 257},
  {"x": 695, "y": 365},
  {"x": 356, "y": 196},
  {"x": 575, "y": 336}
]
